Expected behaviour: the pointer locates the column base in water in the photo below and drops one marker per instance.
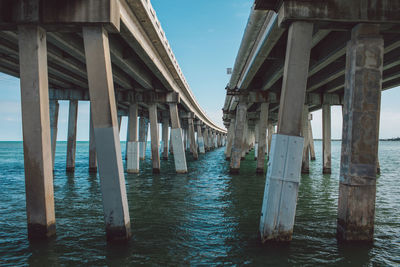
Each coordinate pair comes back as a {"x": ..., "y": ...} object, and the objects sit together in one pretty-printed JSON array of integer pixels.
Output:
[
  {"x": 281, "y": 188},
  {"x": 142, "y": 150},
  {"x": 118, "y": 234},
  {"x": 179, "y": 151},
  {"x": 39, "y": 231},
  {"x": 132, "y": 161}
]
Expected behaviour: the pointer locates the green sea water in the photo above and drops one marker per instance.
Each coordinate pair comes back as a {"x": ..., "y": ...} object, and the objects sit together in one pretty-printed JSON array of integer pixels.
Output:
[{"x": 205, "y": 217}]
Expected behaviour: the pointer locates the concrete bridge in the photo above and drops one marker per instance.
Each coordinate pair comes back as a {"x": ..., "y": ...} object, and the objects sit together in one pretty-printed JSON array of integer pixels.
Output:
[
  {"x": 114, "y": 54},
  {"x": 297, "y": 57}
]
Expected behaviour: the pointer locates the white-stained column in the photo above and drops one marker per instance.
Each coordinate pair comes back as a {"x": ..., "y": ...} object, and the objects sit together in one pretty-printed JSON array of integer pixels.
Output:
[
  {"x": 326, "y": 138},
  {"x": 105, "y": 124},
  {"x": 71, "y": 145},
  {"x": 54, "y": 108},
  {"x": 193, "y": 145},
  {"x": 132, "y": 148},
  {"x": 360, "y": 138},
  {"x": 200, "y": 139},
  {"x": 262, "y": 137},
  {"x": 177, "y": 140},
  {"x": 284, "y": 167},
  {"x": 92, "y": 147},
  {"x": 231, "y": 135},
  {"x": 305, "y": 165},
  {"x": 311, "y": 138},
  {"x": 36, "y": 132},
  {"x": 155, "y": 140},
  {"x": 206, "y": 139},
  {"x": 165, "y": 127},
  {"x": 236, "y": 153}
]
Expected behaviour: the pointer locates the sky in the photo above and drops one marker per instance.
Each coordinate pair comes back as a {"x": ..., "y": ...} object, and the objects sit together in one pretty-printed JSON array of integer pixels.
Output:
[{"x": 205, "y": 37}]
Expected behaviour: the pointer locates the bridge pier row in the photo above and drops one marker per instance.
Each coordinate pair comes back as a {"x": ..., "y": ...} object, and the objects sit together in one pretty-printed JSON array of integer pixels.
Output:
[
  {"x": 326, "y": 138},
  {"x": 164, "y": 137},
  {"x": 200, "y": 139},
  {"x": 231, "y": 136},
  {"x": 132, "y": 148},
  {"x": 262, "y": 137},
  {"x": 36, "y": 132},
  {"x": 193, "y": 145},
  {"x": 92, "y": 147},
  {"x": 362, "y": 96},
  {"x": 71, "y": 144},
  {"x": 284, "y": 167},
  {"x": 142, "y": 137},
  {"x": 105, "y": 124},
  {"x": 155, "y": 141},
  {"x": 311, "y": 138},
  {"x": 177, "y": 140},
  {"x": 240, "y": 121},
  {"x": 54, "y": 108},
  {"x": 305, "y": 165}
]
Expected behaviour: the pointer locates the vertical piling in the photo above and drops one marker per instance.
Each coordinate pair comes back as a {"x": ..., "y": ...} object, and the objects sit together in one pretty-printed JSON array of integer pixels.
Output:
[
  {"x": 142, "y": 137},
  {"x": 71, "y": 145},
  {"x": 200, "y": 139},
  {"x": 193, "y": 146},
  {"x": 262, "y": 137},
  {"x": 54, "y": 108},
  {"x": 284, "y": 167},
  {"x": 132, "y": 148},
  {"x": 362, "y": 95},
  {"x": 165, "y": 126},
  {"x": 155, "y": 141},
  {"x": 305, "y": 165},
  {"x": 177, "y": 140},
  {"x": 311, "y": 138},
  {"x": 92, "y": 147},
  {"x": 240, "y": 122},
  {"x": 231, "y": 136},
  {"x": 326, "y": 138},
  {"x": 36, "y": 132},
  {"x": 105, "y": 124}
]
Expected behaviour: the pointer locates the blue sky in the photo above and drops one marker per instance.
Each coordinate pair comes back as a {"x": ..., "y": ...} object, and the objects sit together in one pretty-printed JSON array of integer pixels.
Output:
[{"x": 205, "y": 37}]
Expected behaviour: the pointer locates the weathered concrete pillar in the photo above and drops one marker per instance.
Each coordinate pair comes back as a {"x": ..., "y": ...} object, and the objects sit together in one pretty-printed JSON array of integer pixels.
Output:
[
  {"x": 185, "y": 141},
  {"x": 71, "y": 145},
  {"x": 177, "y": 140},
  {"x": 200, "y": 139},
  {"x": 326, "y": 138},
  {"x": 256, "y": 138},
  {"x": 215, "y": 139},
  {"x": 271, "y": 131},
  {"x": 284, "y": 167},
  {"x": 155, "y": 140},
  {"x": 311, "y": 138},
  {"x": 105, "y": 124},
  {"x": 54, "y": 108},
  {"x": 362, "y": 95},
  {"x": 165, "y": 127},
  {"x": 92, "y": 147},
  {"x": 132, "y": 148},
  {"x": 207, "y": 148},
  {"x": 142, "y": 137},
  {"x": 231, "y": 135},
  {"x": 119, "y": 122},
  {"x": 240, "y": 122},
  {"x": 193, "y": 145},
  {"x": 262, "y": 137},
  {"x": 305, "y": 165},
  {"x": 245, "y": 140},
  {"x": 170, "y": 142},
  {"x": 36, "y": 132}
]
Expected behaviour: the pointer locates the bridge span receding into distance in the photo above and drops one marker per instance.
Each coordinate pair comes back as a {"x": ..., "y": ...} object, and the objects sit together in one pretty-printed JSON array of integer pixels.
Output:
[
  {"x": 300, "y": 56},
  {"x": 114, "y": 54}
]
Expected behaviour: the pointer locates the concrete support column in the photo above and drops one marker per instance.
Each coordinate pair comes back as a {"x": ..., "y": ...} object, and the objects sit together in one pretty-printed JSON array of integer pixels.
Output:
[
  {"x": 36, "y": 132},
  {"x": 231, "y": 135},
  {"x": 132, "y": 148},
  {"x": 193, "y": 145},
  {"x": 245, "y": 140},
  {"x": 142, "y": 137},
  {"x": 256, "y": 138},
  {"x": 54, "y": 108},
  {"x": 311, "y": 138},
  {"x": 71, "y": 145},
  {"x": 170, "y": 142},
  {"x": 105, "y": 124},
  {"x": 200, "y": 139},
  {"x": 119, "y": 122},
  {"x": 326, "y": 138},
  {"x": 305, "y": 165},
  {"x": 177, "y": 140},
  {"x": 165, "y": 127},
  {"x": 155, "y": 140},
  {"x": 92, "y": 147},
  {"x": 262, "y": 137},
  {"x": 240, "y": 122},
  {"x": 284, "y": 167},
  {"x": 271, "y": 131},
  {"x": 362, "y": 96},
  {"x": 216, "y": 139},
  {"x": 206, "y": 139}
]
